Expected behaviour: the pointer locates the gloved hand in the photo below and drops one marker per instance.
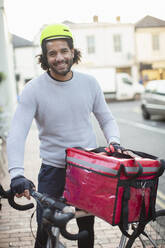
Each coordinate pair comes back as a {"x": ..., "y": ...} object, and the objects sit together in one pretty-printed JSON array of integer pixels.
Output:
[
  {"x": 19, "y": 184},
  {"x": 115, "y": 147}
]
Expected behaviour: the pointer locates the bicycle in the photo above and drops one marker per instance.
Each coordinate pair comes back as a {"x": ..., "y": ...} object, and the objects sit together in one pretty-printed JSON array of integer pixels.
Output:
[{"x": 57, "y": 214}]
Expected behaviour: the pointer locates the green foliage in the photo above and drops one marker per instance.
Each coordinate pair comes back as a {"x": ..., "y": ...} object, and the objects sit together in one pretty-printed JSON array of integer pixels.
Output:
[{"x": 2, "y": 77}]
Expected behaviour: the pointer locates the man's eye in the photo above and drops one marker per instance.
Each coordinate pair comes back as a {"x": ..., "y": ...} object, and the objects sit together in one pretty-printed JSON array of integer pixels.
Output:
[
  {"x": 65, "y": 51},
  {"x": 51, "y": 54}
]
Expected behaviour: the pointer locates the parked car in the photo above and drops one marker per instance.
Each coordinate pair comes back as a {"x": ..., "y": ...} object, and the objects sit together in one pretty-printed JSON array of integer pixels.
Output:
[{"x": 153, "y": 99}]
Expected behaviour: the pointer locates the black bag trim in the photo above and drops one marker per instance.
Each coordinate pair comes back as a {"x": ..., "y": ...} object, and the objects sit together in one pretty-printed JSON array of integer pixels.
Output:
[{"x": 149, "y": 183}]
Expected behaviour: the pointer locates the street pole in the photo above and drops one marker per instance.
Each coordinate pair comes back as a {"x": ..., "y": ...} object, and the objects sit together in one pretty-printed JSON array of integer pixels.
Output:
[{"x": 7, "y": 84}]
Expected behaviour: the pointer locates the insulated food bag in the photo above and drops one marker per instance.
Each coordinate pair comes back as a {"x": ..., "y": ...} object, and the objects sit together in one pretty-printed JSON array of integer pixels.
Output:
[{"x": 116, "y": 187}]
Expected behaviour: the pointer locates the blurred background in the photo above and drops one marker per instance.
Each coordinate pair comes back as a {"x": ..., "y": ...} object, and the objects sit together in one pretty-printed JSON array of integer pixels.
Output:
[
  {"x": 122, "y": 45},
  {"x": 120, "y": 37}
]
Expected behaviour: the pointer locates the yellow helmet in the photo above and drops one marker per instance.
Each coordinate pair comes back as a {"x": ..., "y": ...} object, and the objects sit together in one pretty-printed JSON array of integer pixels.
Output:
[{"x": 55, "y": 31}]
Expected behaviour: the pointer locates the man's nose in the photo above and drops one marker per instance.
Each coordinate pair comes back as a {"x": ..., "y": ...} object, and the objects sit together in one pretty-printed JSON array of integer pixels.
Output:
[{"x": 59, "y": 57}]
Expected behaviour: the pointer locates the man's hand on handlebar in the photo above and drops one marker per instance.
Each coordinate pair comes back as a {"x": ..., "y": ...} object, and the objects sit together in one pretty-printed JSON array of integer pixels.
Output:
[{"x": 21, "y": 186}]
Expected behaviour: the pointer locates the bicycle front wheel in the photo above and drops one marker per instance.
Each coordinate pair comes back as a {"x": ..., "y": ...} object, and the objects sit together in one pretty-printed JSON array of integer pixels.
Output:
[{"x": 154, "y": 233}]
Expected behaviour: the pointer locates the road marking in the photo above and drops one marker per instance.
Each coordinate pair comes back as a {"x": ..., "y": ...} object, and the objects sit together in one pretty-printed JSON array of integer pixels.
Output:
[
  {"x": 160, "y": 203},
  {"x": 142, "y": 126},
  {"x": 137, "y": 110},
  {"x": 161, "y": 195}
]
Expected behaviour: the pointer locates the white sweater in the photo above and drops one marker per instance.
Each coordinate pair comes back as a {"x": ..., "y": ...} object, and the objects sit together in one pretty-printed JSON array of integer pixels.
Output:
[{"x": 62, "y": 112}]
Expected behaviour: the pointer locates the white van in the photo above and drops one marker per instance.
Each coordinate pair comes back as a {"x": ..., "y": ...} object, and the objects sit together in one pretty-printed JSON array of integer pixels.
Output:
[{"x": 119, "y": 86}]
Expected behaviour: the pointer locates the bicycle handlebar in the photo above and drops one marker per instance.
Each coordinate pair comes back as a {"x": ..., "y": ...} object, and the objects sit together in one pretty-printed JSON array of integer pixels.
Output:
[
  {"x": 49, "y": 214},
  {"x": 59, "y": 220},
  {"x": 10, "y": 197},
  {"x": 47, "y": 201}
]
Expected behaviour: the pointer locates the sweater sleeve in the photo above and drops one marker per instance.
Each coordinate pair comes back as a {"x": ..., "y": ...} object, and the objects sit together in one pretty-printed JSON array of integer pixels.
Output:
[
  {"x": 105, "y": 118},
  {"x": 18, "y": 132}
]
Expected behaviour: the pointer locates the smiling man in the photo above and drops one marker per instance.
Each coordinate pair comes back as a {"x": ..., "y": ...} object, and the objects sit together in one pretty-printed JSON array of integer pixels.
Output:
[
  {"x": 61, "y": 101},
  {"x": 60, "y": 59}
]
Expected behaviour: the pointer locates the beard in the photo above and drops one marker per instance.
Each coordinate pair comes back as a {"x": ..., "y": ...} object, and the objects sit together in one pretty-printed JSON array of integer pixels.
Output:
[{"x": 63, "y": 72}]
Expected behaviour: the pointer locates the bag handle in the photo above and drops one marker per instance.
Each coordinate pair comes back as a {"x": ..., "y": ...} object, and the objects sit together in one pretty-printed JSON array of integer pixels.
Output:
[
  {"x": 142, "y": 154},
  {"x": 103, "y": 149},
  {"x": 146, "y": 155},
  {"x": 126, "y": 156},
  {"x": 138, "y": 173},
  {"x": 118, "y": 155},
  {"x": 122, "y": 155}
]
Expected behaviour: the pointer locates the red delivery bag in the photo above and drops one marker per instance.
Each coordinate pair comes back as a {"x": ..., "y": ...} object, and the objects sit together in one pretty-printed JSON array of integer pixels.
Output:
[{"x": 118, "y": 188}]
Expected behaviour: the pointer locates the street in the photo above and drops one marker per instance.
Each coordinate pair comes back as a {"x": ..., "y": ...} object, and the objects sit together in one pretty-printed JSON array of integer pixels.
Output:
[{"x": 139, "y": 134}]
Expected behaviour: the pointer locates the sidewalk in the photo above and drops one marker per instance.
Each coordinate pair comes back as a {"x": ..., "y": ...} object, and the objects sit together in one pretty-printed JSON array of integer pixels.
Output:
[{"x": 15, "y": 225}]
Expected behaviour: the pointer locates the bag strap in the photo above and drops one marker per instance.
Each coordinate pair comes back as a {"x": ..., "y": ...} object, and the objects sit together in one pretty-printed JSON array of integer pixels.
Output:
[
  {"x": 124, "y": 211},
  {"x": 142, "y": 154},
  {"x": 153, "y": 194},
  {"x": 102, "y": 149},
  {"x": 143, "y": 218},
  {"x": 121, "y": 155}
]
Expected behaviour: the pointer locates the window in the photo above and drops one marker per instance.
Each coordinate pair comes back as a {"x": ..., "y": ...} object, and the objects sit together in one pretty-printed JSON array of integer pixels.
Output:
[
  {"x": 155, "y": 42},
  {"x": 91, "y": 44},
  {"x": 117, "y": 43}
]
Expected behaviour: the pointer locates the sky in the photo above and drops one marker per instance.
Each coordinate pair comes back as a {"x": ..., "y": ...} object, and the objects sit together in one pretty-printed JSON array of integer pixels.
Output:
[{"x": 26, "y": 17}]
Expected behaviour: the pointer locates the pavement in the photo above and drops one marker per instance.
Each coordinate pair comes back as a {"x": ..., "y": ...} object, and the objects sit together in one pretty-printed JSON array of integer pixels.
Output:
[{"x": 15, "y": 230}]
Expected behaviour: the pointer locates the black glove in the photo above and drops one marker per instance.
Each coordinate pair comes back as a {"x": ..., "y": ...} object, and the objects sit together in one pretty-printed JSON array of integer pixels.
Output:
[
  {"x": 20, "y": 183},
  {"x": 114, "y": 147}
]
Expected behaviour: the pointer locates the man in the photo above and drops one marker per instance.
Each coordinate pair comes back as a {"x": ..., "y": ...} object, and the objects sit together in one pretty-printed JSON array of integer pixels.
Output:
[{"x": 61, "y": 101}]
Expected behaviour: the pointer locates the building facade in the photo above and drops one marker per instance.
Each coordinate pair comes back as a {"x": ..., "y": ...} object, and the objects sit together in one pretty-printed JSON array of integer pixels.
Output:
[
  {"x": 150, "y": 48},
  {"x": 106, "y": 45},
  {"x": 137, "y": 49}
]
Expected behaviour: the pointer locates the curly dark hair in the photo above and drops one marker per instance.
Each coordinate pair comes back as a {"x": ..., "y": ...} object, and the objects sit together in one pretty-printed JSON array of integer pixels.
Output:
[{"x": 42, "y": 58}]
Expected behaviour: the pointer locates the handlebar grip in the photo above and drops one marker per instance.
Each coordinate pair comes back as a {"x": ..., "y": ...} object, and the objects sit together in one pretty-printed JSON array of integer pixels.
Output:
[
  {"x": 70, "y": 236},
  {"x": 61, "y": 221},
  {"x": 7, "y": 194},
  {"x": 13, "y": 204},
  {"x": 18, "y": 206}
]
